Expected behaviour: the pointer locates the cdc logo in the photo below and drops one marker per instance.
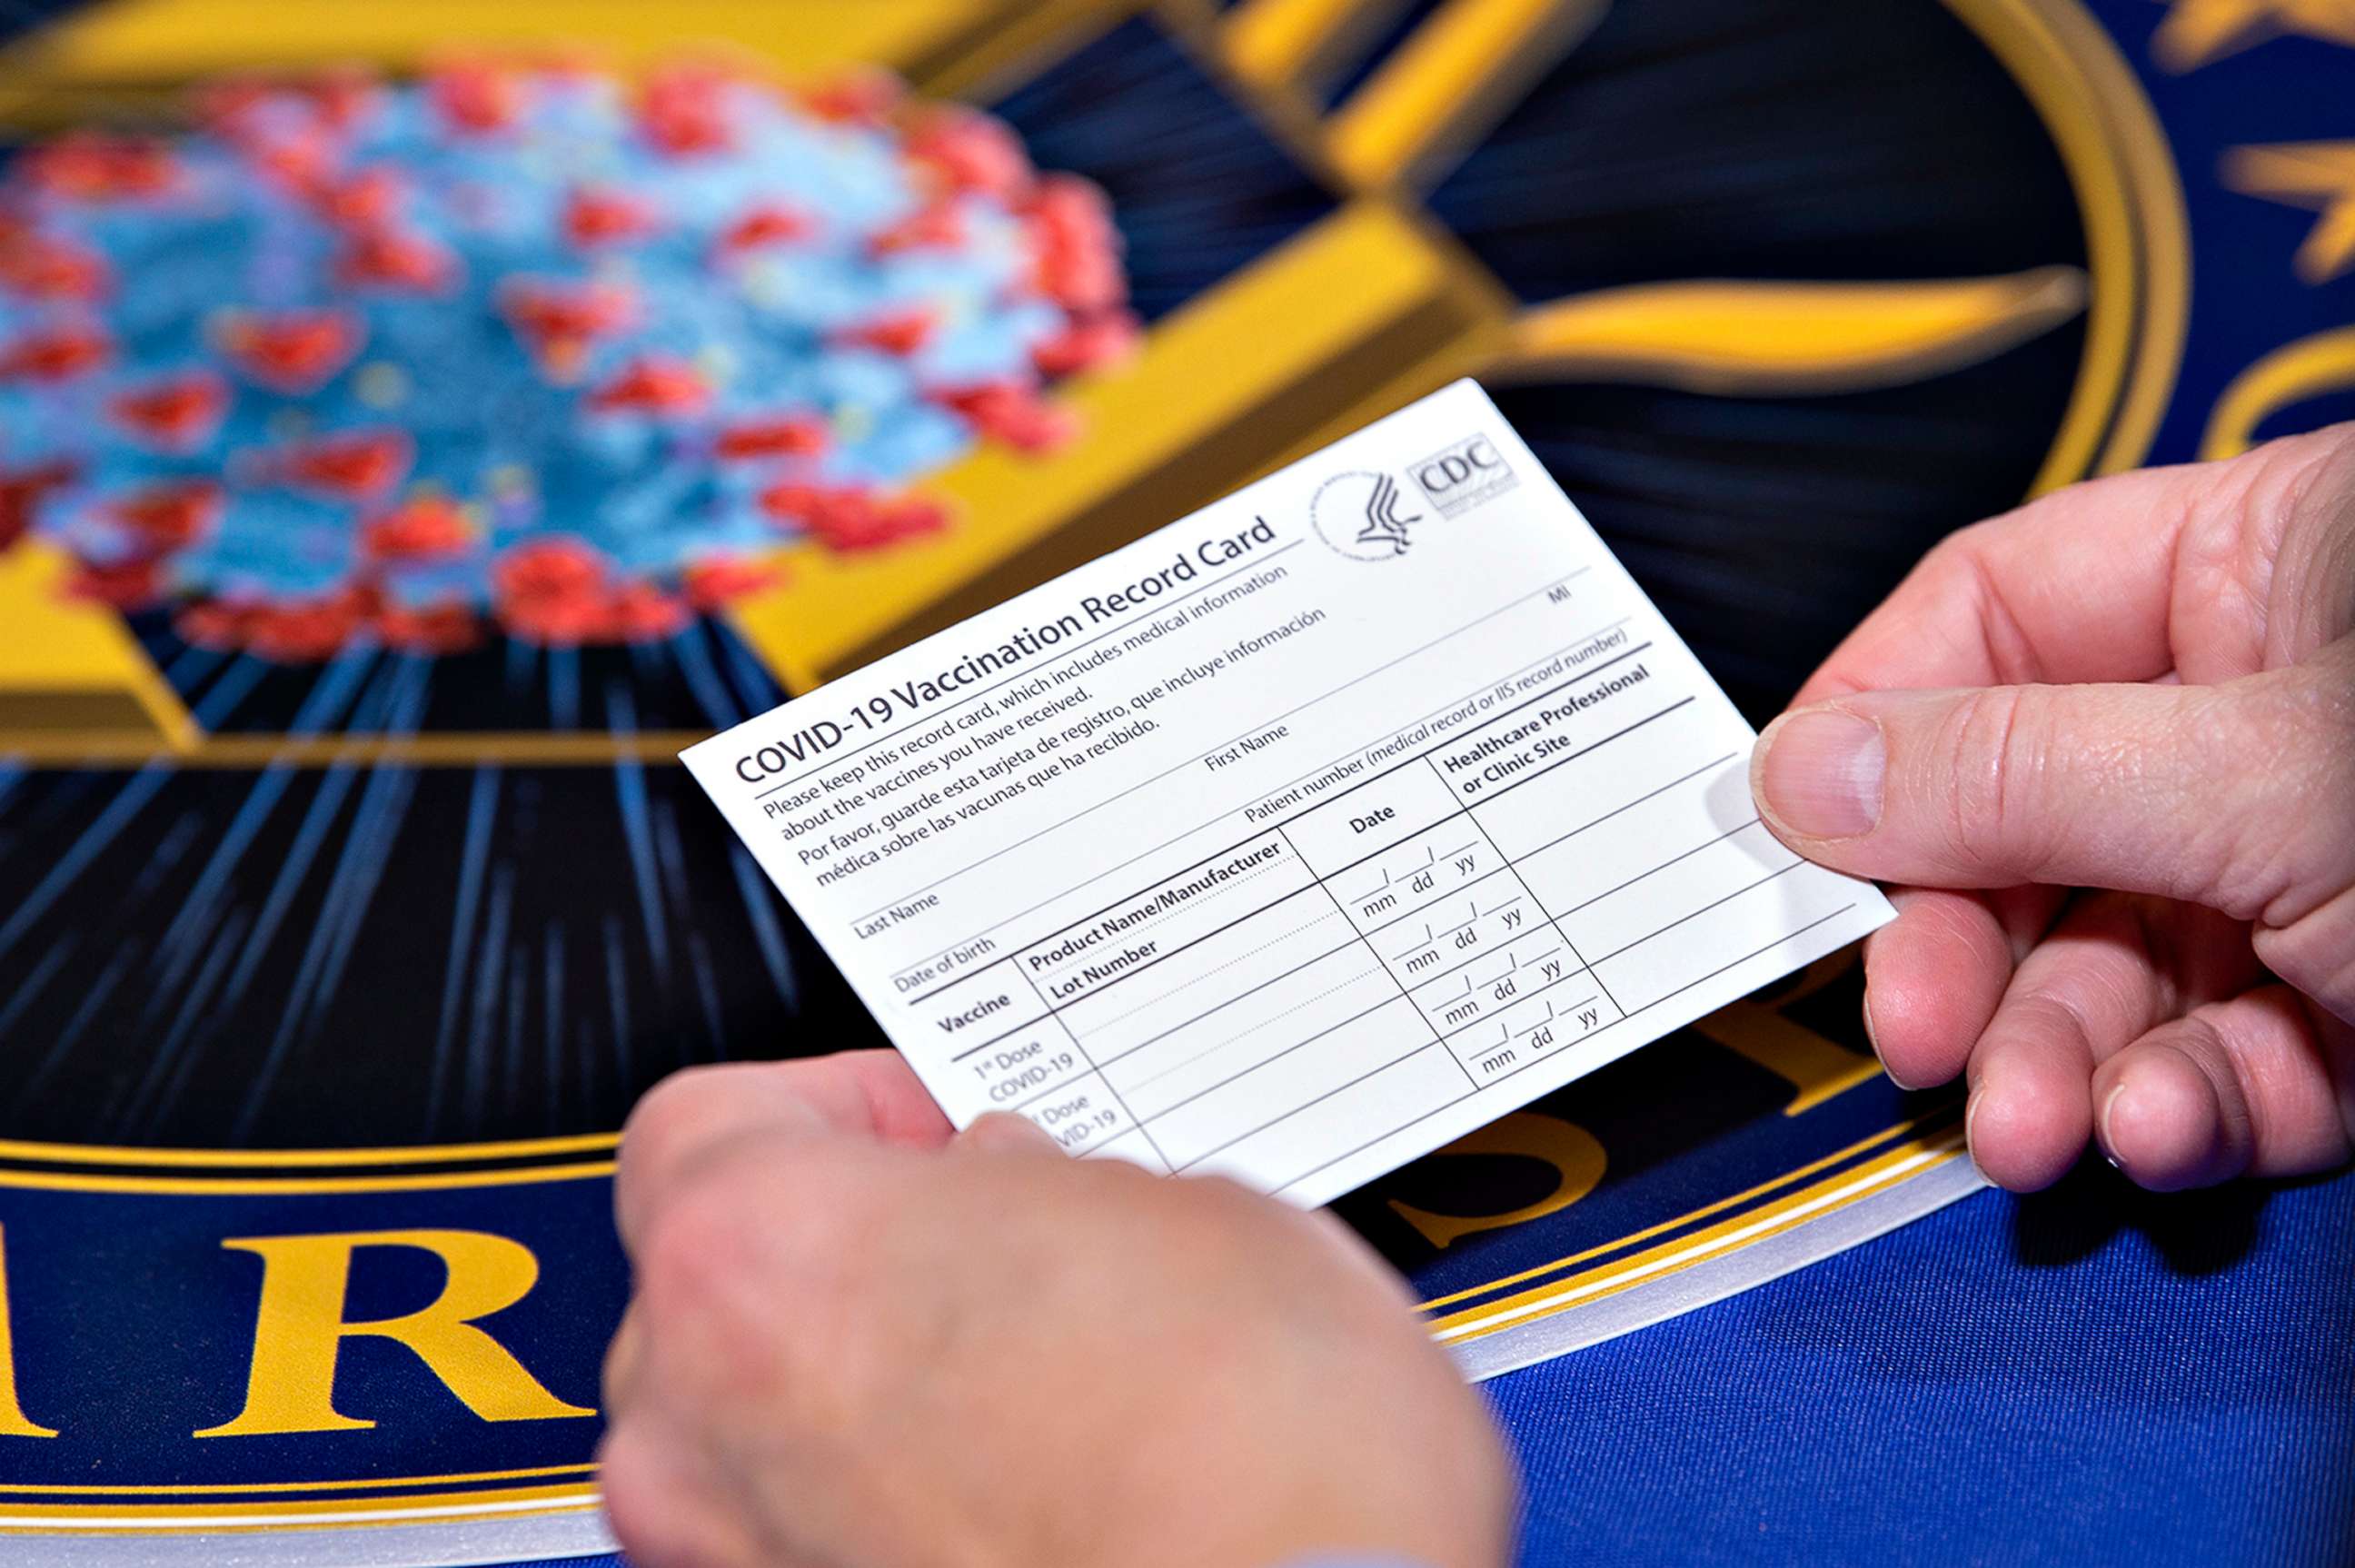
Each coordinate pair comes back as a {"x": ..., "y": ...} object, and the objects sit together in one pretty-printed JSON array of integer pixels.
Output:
[{"x": 1463, "y": 475}]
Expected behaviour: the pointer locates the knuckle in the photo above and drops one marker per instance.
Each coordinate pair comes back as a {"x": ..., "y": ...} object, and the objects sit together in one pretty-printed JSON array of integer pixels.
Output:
[
  {"x": 669, "y": 1118},
  {"x": 2322, "y": 706},
  {"x": 1948, "y": 562},
  {"x": 1993, "y": 747},
  {"x": 2250, "y": 506},
  {"x": 631, "y": 1498},
  {"x": 2054, "y": 1019},
  {"x": 791, "y": 1240},
  {"x": 2317, "y": 962},
  {"x": 724, "y": 1312},
  {"x": 1247, "y": 1229},
  {"x": 1229, "y": 1210},
  {"x": 1958, "y": 568},
  {"x": 691, "y": 1269},
  {"x": 2283, "y": 476},
  {"x": 1221, "y": 1196},
  {"x": 2304, "y": 722},
  {"x": 633, "y": 1487},
  {"x": 2240, "y": 1110},
  {"x": 1956, "y": 558},
  {"x": 2285, "y": 850},
  {"x": 655, "y": 1525}
]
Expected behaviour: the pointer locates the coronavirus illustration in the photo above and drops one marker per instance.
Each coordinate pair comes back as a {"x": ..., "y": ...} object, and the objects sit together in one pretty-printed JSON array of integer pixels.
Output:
[{"x": 532, "y": 349}]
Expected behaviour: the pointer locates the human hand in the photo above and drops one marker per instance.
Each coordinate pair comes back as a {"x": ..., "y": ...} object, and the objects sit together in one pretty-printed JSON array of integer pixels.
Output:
[
  {"x": 2145, "y": 685},
  {"x": 858, "y": 1339}
]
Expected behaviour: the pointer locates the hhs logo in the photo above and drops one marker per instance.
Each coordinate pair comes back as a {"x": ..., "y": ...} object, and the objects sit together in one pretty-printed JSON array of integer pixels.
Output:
[
  {"x": 1361, "y": 515},
  {"x": 1463, "y": 475}
]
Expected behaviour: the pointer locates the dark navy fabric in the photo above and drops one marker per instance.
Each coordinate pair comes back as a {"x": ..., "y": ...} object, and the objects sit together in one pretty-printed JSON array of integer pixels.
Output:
[{"x": 2090, "y": 1376}]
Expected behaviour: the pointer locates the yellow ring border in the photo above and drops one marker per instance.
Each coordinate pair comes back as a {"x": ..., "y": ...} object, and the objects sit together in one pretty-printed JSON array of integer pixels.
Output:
[
  {"x": 2311, "y": 367},
  {"x": 1894, "y": 1169},
  {"x": 1718, "y": 1206},
  {"x": 228, "y": 1489},
  {"x": 2137, "y": 242},
  {"x": 300, "y": 1186},
  {"x": 281, "y": 1159},
  {"x": 448, "y": 1508}
]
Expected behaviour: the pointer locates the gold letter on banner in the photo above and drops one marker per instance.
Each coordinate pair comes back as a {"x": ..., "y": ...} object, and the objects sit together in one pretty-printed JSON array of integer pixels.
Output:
[
  {"x": 1816, "y": 1068},
  {"x": 1577, "y": 1161},
  {"x": 301, "y": 1327},
  {"x": 13, "y": 1420}
]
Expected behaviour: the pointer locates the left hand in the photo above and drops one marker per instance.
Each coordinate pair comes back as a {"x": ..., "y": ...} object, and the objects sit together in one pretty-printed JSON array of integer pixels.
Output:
[{"x": 859, "y": 1342}]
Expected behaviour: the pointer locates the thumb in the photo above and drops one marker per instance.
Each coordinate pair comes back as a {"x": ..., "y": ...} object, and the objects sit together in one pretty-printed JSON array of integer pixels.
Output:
[
  {"x": 1007, "y": 1132},
  {"x": 2208, "y": 793}
]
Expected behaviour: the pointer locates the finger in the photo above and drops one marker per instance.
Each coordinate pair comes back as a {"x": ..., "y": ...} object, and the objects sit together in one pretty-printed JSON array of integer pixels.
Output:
[
  {"x": 1006, "y": 1132},
  {"x": 2317, "y": 953},
  {"x": 2079, "y": 585},
  {"x": 2237, "y": 1086},
  {"x": 2087, "y": 990},
  {"x": 1932, "y": 977},
  {"x": 692, "y": 1116},
  {"x": 2110, "y": 786},
  {"x": 2072, "y": 586},
  {"x": 664, "y": 1508}
]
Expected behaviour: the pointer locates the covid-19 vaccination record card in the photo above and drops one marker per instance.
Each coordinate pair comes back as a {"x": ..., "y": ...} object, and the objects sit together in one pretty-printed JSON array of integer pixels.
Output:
[{"x": 1297, "y": 838}]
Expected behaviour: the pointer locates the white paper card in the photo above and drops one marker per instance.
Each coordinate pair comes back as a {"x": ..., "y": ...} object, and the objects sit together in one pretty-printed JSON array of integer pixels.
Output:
[{"x": 1297, "y": 838}]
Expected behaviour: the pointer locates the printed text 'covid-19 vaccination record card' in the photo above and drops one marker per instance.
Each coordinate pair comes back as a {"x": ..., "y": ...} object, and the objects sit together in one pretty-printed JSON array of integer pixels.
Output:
[{"x": 1297, "y": 838}]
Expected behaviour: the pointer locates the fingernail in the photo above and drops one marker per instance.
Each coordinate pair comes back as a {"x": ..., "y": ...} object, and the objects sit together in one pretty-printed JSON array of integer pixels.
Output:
[
  {"x": 1872, "y": 1039},
  {"x": 1822, "y": 773},
  {"x": 2101, "y": 1140}
]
